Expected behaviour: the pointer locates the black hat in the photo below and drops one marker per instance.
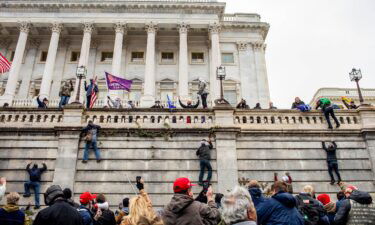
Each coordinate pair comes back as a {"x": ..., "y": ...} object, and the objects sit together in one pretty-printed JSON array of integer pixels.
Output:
[{"x": 52, "y": 193}]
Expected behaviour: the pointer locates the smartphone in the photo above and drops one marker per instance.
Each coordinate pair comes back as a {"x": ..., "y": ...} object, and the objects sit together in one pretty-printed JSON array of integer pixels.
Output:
[{"x": 138, "y": 179}]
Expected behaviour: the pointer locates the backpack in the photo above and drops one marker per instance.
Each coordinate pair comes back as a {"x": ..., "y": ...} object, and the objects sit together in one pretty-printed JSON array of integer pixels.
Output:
[
  {"x": 325, "y": 101},
  {"x": 309, "y": 211}
]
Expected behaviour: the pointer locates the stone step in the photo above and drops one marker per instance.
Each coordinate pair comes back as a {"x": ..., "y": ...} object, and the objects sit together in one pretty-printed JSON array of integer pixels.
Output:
[
  {"x": 295, "y": 145},
  {"x": 20, "y": 164},
  {"x": 157, "y": 144},
  {"x": 51, "y": 143},
  {"x": 255, "y": 165},
  {"x": 28, "y": 153},
  {"x": 300, "y": 138}
]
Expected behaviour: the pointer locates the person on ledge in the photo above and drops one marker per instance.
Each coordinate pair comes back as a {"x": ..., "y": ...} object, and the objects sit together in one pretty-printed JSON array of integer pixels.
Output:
[
  {"x": 189, "y": 104},
  {"x": 272, "y": 106},
  {"x": 91, "y": 135},
  {"x": 327, "y": 109},
  {"x": 157, "y": 105},
  {"x": 297, "y": 102},
  {"x": 202, "y": 86},
  {"x": 116, "y": 104},
  {"x": 65, "y": 92},
  {"x": 35, "y": 174},
  {"x": 42, "y": 104},
  {"x": 90, "y": 89},
  {"x": 242, "y": 105},
  {"x": 257, "y": 106},
  {"x": 332, "y": 161},
  {"x": 204, "y": 154}
]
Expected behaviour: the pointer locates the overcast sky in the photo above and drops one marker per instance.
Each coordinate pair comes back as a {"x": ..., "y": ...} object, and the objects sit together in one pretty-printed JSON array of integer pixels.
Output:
[{"x": 314, "y": 43}]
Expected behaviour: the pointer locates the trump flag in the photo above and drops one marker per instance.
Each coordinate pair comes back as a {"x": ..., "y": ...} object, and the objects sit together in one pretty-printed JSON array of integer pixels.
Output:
[{"x": 117, "y": 83}]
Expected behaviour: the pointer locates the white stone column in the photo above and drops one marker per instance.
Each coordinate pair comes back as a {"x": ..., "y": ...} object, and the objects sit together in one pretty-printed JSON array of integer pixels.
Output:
[
  {"x": 148, "y": 97},
  {"x": 261, "y": 70},
  {"x": 31, "y": 59},
  {"x": 120, "y": 30},
  {"x": 45, "y": 86},
  {"x": 183, "y": 79},
  {"x": 11, "y": 86},
  {"x": 214, "y": 30},
  {"x": 83, "y": 59},
  {"x": 59, "y": 68},
  {"x": 249, "y": 89}
]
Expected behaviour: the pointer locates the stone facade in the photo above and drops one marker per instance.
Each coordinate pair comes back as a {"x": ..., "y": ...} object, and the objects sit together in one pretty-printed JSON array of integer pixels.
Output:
[{"x": 163, "y": 46}]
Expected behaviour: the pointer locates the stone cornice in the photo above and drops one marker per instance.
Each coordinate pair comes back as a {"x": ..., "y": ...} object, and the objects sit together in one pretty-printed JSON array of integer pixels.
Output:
[{"x": 260, "y": 27}]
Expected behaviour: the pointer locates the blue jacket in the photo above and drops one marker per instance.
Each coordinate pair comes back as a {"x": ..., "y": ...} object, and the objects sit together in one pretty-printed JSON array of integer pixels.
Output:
[
  {"x": 279, "y": 210},
  {"x": 90, "y": 88},
  {"x": 256, "y": 196},
  {"x": 11, "y": 215},
  {"x": 86, "y": 215}
]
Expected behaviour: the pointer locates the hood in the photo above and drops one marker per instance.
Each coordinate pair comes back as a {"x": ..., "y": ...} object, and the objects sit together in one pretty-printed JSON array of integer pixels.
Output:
[
  {"x": 255, "y": 192},
  {"x": 330, "y": 207},
  {"x": 179, "y": 202},
  {"x": 286, "y": 199},
  {"x": 11, "y": 208},
  {"x": 361, "y": 197}
]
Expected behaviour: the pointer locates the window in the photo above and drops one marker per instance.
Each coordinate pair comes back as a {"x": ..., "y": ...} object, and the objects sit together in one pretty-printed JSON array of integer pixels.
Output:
[
  {"x": 167, "y": 57},
  {"x": 106, "y": 57},
  {"x": 137, "y": 56},
  {"x": 12, "y": 56},
  {"x": 43, "y": 56},
  {"x": 197, "y": 57},
  {"x": 227, "y": 58},
  {"x": 231, "y": 97},
  {"x": 74, "y": 56}
]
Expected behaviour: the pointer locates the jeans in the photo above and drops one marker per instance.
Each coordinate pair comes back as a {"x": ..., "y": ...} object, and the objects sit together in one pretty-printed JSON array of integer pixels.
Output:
[
  {"x": 204, "y": 163},
  {"x": 333, "y": 166},
  {"x": 36, "y": 186},
  {"x": 204, "y": 100},
  {"x": 94, "y": 145},
  {"x": 63, "y": 101},
  {"x": 88, "y": 100},
  {"x": 329, "y": 111}
]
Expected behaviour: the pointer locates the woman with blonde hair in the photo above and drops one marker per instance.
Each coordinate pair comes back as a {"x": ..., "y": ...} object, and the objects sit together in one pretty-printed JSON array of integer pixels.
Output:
[{"x": 140, "y": 210}]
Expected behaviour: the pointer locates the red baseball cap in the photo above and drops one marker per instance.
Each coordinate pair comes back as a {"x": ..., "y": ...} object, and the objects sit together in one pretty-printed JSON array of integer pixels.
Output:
[
  {"x": 86, "y": 197},
  {"x": 182, "y": 184}
]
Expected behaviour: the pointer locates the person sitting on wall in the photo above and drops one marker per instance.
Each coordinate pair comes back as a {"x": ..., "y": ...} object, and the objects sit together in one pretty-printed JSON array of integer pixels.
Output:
[
  {"x": 327, "y": 109},
  {"x": 42, "y": 104},
  {"x": 157, "y": 105},
  {"x": 300, "y": 105},
  {"x": 116, "y": 104},
  {"x": 242, "y": 105},
  {"x": 257, "y": 106},
  {"x": 332, "y": 161},
  {"x": 65, "y": 92},
  {"x": 130, "y": 105},
  {"x": 272, "y": 106},
  {"x": 91, "y": 135},
  {"x": 90, "y": 89},
  {"x": 35, "y": 174},
  {"x": 349, "y": 103},
  {"x": 189, "y": 104}
]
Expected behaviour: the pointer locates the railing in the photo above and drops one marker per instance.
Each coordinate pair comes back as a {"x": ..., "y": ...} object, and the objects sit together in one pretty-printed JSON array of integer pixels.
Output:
[{"x": 30, "y": 118}]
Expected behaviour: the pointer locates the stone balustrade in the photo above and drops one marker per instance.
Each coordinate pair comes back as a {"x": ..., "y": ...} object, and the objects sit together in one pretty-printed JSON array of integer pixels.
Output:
[{"x": 178, "y": 118}]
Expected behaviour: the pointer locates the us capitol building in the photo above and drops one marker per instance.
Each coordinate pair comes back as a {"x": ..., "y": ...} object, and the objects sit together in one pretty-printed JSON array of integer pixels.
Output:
[{"x": 163, "y": 46}]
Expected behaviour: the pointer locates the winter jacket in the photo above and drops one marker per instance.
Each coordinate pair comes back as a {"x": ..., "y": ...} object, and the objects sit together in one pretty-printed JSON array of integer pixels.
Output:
[
  {"x": 189, "y": 106},
  {"x": 72, "y": 203},
  {"x": 280, "y": 209},
  {"x": 35, "y": 173},
  {"x": 331, "y": 152},
  {"x": 86, "y": 215},
  {"x": 66, "y": 89},
  {"x": 202, "y": 88},
  {"x": 41, "y": 104},
  {"x": 2, "y": 191},
  {"x": 330, "y": 208},
  {"x": 358, "y": 209},
  {"x": 204, "y": 151},
  {"x": 91, "y": 88},
  {"x": 183, "y": 210},
  {"x": 59, "y": 213},
  {"x": 107, "y": 218},
  {"x": 93, "y": 129},
  {"x": 256, "y": 196},
  {"x": 242, "y": 106},
  {"x": 295, "y": 104},
  {"x": 124, "y": 212},
  {"x": 302, "y": 197},
  {"x": 11, "y": 215}
]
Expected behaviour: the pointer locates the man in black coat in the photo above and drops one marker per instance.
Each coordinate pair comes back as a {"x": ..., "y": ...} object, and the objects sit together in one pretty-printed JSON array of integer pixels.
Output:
[
  {"x": 332, "y": 161},
  {"x": 204, "y": 154},
  {"x": 59, "y": 212},
  {"x": 35, "y": 174}
]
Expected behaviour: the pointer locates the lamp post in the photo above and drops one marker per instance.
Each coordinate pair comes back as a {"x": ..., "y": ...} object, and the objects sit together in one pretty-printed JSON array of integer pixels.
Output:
[
  {"x": 81, "y": 74},
  {"x": 220, "y": 75},
  {"x": 356, "y": 75}
]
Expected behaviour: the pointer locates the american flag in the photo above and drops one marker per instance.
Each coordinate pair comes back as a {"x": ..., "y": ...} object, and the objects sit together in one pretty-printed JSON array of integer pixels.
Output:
[
  {"x": 4, "y": 64},
  {"x": 94, "y": 96}
]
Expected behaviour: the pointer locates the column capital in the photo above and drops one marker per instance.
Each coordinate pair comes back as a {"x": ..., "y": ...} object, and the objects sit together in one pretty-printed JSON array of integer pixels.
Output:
[
  {"x": 56, "y": 27},
  {"x": 24, "y": 26},
  {"x": 214, "y": 28},
  {"x": 120, "y": 27},
  {"x": 88, "y": 27},
  {"x": 258, "y": 46},
  {"x": 151, "y": 27},
  {"x": 183, "y": 28},
  {"x": 243, "y": 46}
]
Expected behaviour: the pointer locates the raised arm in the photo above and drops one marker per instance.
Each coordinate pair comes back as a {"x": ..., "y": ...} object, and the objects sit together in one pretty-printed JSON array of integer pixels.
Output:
[
  {"x": 44, "y": 168},
  {"x": 181, "y": 104},
  {"x": 334, "y": 144},
  {"x": 28, "y": 167},
  {"x": 318, "y": 105},
  {"x": 324, "y": 145}
]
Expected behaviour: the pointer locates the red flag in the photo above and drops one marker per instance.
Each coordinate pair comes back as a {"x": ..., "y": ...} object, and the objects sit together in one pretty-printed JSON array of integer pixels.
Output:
[
  {"x": 94, "y": 95},
  {"x": 4, "y": 64}
]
